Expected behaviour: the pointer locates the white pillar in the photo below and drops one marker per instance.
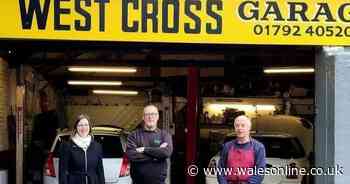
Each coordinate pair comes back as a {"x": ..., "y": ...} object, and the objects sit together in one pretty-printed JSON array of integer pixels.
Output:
[{"x": 332, "y": 126}]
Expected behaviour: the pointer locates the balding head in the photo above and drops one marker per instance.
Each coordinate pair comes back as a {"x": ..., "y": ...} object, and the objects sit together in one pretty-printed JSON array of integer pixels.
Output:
[
  {"x": 150, "y": 108},
  {"x": 242, "y": 127},
  {"x": 243, "y": 119}
]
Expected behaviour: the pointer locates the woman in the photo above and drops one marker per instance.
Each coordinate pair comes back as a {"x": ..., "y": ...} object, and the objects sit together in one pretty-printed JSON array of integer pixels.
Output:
[{"x": 81, "y": 156}]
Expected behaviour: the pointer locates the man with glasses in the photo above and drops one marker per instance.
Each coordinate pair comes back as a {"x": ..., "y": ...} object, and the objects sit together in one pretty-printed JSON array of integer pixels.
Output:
[{"x": 148, "y": 148}]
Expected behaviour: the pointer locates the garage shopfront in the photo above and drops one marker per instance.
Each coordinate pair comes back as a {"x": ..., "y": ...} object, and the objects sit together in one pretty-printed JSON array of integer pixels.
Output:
[
  {"x": 206, "y": 21},
  {"x": 215, "y": 23}
]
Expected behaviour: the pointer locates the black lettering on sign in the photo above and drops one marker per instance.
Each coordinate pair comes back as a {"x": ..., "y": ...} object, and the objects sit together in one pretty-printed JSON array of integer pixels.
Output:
[
  {"x": 166, "y": 28},
  {"x": 150, "y": 15},
  {"x": 28, "y": 14},
  {"x": 323, "y": 10},
  {"x": 272, "y": 9},
  {"x": 341, "y": 12},
  {"x": 293, "y": 11},
  {"x": 254, "y": 11},
  {"x": 194, "y": 17},
  {"x": 58, "y": 12},
  {"x": 77, "y": 23},
  {"x": 125, "y": 15},
  {"x": 215, "y": 15},
  {"x": 102, "y": 8}
]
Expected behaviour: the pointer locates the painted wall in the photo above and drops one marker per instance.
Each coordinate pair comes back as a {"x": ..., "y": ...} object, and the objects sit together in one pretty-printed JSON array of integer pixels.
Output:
[{"x": 120, "y": 111}]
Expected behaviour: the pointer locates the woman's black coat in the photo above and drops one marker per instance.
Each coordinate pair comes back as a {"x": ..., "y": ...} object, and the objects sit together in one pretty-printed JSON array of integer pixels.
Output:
[{"x": 72, "y": 164}]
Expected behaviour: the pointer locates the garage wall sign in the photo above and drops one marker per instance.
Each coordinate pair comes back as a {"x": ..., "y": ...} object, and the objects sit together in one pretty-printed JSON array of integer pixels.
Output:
[{"x": 289, "y": 22}]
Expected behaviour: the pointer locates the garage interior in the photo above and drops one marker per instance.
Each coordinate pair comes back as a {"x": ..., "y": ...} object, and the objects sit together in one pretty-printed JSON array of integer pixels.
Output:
[{"x": 164, "y": 76}]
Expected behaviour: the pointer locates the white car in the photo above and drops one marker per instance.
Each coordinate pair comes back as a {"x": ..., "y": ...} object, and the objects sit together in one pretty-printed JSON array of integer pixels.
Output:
[
  {"x": 115, "y": 163},
  {"x": 281, "y": 150}
]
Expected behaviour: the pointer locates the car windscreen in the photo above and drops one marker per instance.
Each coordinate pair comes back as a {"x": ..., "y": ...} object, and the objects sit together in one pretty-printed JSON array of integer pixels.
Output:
[
  {"x": 111, "y": 145},
  {"x": 279, "y": 147}
]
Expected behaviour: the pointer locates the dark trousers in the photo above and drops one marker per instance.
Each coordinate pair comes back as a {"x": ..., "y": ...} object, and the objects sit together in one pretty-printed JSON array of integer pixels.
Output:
[
  {"x": 139, "y": 180},
  {"x": 237, "y": 182},
  {"x": 147, "y": 183}
]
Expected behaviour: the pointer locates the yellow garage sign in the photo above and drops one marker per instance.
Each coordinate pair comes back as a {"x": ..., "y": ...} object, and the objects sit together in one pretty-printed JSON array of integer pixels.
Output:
[{"x": 287, "y": 22}]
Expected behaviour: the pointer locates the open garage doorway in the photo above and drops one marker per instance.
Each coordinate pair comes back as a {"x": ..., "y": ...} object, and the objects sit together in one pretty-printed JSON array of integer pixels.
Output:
[{"x": 232, "y": 80}]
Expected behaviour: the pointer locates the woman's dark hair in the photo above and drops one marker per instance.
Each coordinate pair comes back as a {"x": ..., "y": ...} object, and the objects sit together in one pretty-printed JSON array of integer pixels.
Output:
[{"x": 80, "y": 117}]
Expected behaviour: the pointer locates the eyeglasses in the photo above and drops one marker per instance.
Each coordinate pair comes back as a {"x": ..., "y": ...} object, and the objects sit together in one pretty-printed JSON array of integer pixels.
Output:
[
  {"x": 150, "y": 114},
  {"x": 83, "y": 125}
]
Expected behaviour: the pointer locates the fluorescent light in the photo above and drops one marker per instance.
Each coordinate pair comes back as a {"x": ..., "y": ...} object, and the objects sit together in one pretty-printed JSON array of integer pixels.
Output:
[
  {"x": 219, "y": 108},
  {"x": 265, "y": 107},
  {"x": 95, "y": 83},
  {"x": 289, "y": 70},
  {"x": 115, "y": 92},
  {"x": 102, "y": 69}
]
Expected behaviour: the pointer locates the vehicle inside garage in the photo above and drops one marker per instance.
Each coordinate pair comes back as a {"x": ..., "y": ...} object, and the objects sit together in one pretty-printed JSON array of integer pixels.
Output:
[
  {"x": 202, "y": 63},
  {"x": 229, "y": 80}
]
